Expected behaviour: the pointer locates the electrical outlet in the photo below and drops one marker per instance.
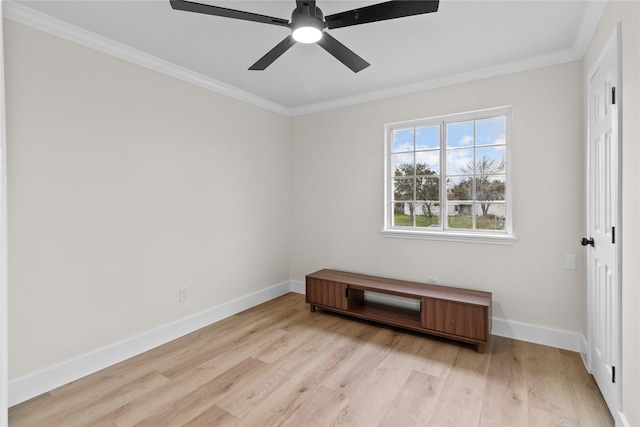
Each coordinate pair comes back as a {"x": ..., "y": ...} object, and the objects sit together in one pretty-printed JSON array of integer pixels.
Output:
[
  {"x": 432, "y": 280},
  {"x": 183, "y": 294}
]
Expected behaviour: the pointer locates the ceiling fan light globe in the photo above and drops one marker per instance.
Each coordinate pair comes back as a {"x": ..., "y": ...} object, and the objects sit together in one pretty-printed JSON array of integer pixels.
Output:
[{"x": 307, "y": 34}]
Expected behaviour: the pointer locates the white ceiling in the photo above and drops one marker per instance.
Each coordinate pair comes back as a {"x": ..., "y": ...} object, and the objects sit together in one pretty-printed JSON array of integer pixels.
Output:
[{"x": 464, "y": 40}]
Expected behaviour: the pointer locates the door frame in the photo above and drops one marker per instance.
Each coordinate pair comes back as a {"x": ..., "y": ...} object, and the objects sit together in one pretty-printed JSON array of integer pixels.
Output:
[
  {"x": 4, "y": 304},
  {"x": 613, "y": 45}
]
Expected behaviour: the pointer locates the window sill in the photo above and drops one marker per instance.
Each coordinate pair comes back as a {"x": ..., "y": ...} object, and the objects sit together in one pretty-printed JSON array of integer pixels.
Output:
[{"x": 493, "y": 239}]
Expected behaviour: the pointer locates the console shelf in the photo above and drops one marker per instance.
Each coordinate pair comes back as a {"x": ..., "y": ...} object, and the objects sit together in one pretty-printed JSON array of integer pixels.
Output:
[{"x": 459, "y": 314}]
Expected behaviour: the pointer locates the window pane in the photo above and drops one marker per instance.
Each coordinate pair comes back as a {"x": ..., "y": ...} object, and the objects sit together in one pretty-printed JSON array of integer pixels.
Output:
[
  {"x": 402, "y": 140},
  {"x": 403, "y": 188},
  {"x": 494, "y": 220},
  {"x": 460, "y": 134},
  {"x": 427, "y": 137},
  {"x": 490, "y": 160},
  {"x": 403, "y": 214},
  {"x": 428, "y": 189},
  {"x": 490, "y": 188},
  {"x": 459, "y": 188},
  {"x": 460, "y": 161},
  {"x": 491, "y": 131},
  {"x": 427, "y": 162},
  {"x": 428, "y": 214},
  {"x": 460, "y": 215},
  {"x": 402, "y": 164}
]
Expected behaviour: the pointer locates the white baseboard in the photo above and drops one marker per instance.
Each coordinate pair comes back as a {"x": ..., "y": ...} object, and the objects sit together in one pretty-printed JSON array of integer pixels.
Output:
[
  {"x": 537, "y": 334},
  {"x": 298, "y": 287},
  {"x": 584, "y": 353},
  {"x": 621, "y": 420},
  {"x": 34, "y": 384}
]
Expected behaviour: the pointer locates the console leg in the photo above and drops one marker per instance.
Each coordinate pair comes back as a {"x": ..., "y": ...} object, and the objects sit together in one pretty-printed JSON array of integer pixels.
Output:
[{"x": 312, "y": 308}]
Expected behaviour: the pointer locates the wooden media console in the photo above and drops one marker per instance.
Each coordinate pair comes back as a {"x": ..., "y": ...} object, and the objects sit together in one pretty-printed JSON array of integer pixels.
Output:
[{"x": 458, "y": 314}]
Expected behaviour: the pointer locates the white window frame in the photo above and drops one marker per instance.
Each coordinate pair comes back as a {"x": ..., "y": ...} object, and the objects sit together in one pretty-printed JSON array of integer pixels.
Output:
[{"x": 505, "y": 236}]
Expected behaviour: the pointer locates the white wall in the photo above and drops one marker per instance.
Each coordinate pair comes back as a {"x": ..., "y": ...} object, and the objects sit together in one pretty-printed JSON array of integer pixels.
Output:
[
  {"x": 337, "y": 192},
  {"x": 124, "y": 185},
  {"x": 627, "y": 13}
]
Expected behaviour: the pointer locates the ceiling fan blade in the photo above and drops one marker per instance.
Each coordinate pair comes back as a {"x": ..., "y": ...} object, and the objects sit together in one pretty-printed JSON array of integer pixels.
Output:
[
  {"x": 381, "y": 12},
  {"x": 342, "y": 53},
  {"x": 226, "y": 13},
  {"x": 274, "y": 54}
]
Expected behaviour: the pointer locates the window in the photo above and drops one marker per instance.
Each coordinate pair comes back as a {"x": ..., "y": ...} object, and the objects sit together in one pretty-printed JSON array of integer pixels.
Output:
[{"x": 448, "y": 177}]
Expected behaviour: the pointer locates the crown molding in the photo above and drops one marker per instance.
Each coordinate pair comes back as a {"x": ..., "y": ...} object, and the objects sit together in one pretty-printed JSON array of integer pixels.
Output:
[
  {"x": 592, "y": 14},
  {"x": 40, "y": 21},
  {"x": 25, "y": 15},
  {"x": 541, "y": 61}
]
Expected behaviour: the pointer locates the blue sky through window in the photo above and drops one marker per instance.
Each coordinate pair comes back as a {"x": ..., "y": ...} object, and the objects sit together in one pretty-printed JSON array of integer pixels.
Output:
[
  {"x": 487, "y": 133},
  {"x": 421, "y": 144}
]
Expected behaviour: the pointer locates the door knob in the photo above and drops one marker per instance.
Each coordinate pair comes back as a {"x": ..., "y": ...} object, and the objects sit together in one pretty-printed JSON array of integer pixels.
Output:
[{"x": 585, "y": 242}]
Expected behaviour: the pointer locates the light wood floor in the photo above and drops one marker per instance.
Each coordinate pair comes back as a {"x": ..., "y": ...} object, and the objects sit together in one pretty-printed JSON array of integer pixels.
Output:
[{"x": 279, "y": 364}]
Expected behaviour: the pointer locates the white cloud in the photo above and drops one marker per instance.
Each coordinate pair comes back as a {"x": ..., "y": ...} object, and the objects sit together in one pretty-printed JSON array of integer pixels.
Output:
[
  {"x": 458, "y": 160},
  {"x": 407, "y": 146},
  {"x": 466, "y": 140}
]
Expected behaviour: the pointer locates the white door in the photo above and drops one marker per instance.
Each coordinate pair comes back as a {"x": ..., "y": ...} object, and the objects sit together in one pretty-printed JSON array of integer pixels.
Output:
[{"x": 603, "y": 226}]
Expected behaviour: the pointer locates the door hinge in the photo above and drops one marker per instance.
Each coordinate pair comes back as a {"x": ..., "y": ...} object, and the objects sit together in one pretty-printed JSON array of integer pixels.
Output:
[
  {"x": 613, "y": 374},
  {"x": 613, "y": 95},
  {"x": 613, "y": 235}
]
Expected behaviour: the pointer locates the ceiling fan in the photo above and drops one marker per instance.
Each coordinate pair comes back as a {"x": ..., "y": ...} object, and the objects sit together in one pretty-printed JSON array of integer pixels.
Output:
[{"x": 308, "y": 25}]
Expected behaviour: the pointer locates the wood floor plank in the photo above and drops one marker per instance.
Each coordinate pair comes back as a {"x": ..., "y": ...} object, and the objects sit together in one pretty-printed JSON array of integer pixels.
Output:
[
  {"x": 415, "y": 403},
  {"x": 548, "y": 387},
  {"x": 541, "y": 418},
  {"x": 296, "y": 335},
  {"x": 171, "y": 401},
  {"x": 367, "y": 408},
  {"x": 423, "y": 353},
  {"x": 342, "y": 343},
  {"x": 317, "y": 404},
  {"x": 301, "y": 391},
  {"x": 280, "y": 364},
  {"x": 589, "y": 404},
  {"x": 274, "y": 376},
  {"x": 244, "y": 347},
  {"x": 187, "y": 407},
  {"x": 350, "y": 377},
  {"x": 297, "y": 407},
  {"x": 367, "y": 371},
  {"x": 505, "y": 401},
  {"x": 213, "y": 416},
  {"x": 78, "y": 411},
  {"x": 221, "y": 342},
  {"x": 461, "y": 400},
  {"x": 84, "y": 413}
]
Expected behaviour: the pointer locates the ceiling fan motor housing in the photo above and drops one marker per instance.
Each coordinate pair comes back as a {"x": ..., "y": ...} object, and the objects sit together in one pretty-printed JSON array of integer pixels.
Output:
[{"x": 307, "y": 16}]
